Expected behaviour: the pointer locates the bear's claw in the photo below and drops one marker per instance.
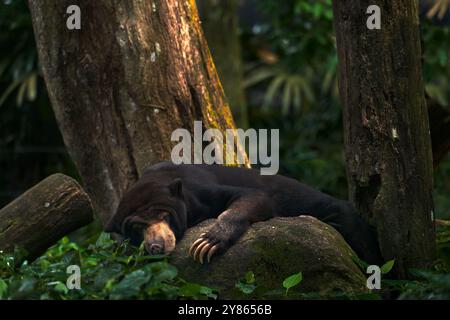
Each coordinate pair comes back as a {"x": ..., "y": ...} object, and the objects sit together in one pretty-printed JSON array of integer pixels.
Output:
[{"x": 202, "y": 247}]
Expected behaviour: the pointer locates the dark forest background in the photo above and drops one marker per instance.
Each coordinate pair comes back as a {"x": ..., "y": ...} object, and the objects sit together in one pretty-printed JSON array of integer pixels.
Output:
[{"x": 287, "y": 57}]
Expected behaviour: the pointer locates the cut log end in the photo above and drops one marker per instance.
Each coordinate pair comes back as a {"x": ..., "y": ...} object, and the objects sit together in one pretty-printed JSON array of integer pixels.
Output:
[{"x": 45, "y": 213}]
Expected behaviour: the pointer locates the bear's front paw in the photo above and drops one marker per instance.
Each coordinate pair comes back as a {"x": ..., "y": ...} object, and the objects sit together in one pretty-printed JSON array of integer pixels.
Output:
[{"x": 216, "y": 240}]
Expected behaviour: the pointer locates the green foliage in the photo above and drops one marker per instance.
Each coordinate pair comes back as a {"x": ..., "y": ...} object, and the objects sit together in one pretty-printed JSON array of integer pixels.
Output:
[
  {"x": 305, "y": 63},
  {"x": 360, "y": 263},
  {"x": 3, "y": 288},
  {"x": 443, "y": 247},
  {"x": 31, "y": 146},
  {"x": 111, "y": 271},
  {"x": 292, "y": 281},
  {"x": 248, "y": 284},
  {"x": 301, "y": 78},
  {"x": 436, "y": 61},
  {"x": 18, "y": 64},
  {"x": 430, "y": 285},
  {"x": 108, "y": 271},
  {"x": 442, "y": 190},
  {"x": 387, "y": 267},
  {"x": 295, "y": 90}
]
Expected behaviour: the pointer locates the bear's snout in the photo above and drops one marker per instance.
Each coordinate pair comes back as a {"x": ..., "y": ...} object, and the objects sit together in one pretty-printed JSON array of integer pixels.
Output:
[
  {"x": 159, "y": 238},
  {"x": 154, "y": 248}
]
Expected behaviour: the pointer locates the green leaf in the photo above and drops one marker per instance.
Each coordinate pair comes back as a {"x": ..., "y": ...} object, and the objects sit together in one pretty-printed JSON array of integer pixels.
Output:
[
  {"x": 258, "y": 76},
  {"x": 287, "y": 96},
  {"x": 107, "y": 274},
  {"x": 296, "y": 96},
  {"x": 3, "y": 288},
  {"x": 196, "y": 291},
  {"x": 162, "y": 271},
  {"x": 90, "y": 262},
  {"x": 361, "y": 264},
  {"x": 21, "y": 93},
  {"x": 44, "y": 264},
  {"x": 250, "y": 277},
  {"x": 248, "y": 284},
  {"x": 13, "y": 86},
  {"x": 306, "y": 88},
  {"x": 61, "y": 287},
  {"x": 387, "y": 266},
  {"x": 246, "y": 288},
  {"x": 292, "y": 281},
  {"x": 208, "y": 292},
  {"x": 190, "y": 289},
  {"x": 32, "y": 87},
  {"x": 272, "y": 90},
  {"x": 443, "y": 58},
  {"x": 104, "y": 241},
  {"x": 130, "y": 285}
]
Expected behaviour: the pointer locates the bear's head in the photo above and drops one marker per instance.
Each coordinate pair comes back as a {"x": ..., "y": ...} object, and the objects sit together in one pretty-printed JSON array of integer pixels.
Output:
[{"x": 153, "y": 211}]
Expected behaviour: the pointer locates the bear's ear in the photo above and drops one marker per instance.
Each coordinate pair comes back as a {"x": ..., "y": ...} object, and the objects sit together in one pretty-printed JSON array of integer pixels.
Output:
[{"x": 176, "y": 188}]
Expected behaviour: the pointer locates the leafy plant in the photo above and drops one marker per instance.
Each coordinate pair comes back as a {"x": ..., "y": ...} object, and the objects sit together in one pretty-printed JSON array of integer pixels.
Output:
[
  {"x": 294, "y": 89},
  {"x": 429, "y": 285},
  {"x": 19, "y": 64},
  {"x": 108, "y": 271},
  {"x": 292, "y": 281},
  {"x": 248, "y": 284},
  {"x": 385, "y": 268},
  {"x": 299, "y": 66},
  {"x": 439, "y": 9}
]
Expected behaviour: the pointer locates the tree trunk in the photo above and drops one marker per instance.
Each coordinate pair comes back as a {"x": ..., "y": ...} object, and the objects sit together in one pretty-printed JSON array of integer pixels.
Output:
[
  {"x": 220, "y": 22},
  {"x": 135, "y": 71},
  {"x": 44, "y": 214},
  {"x": 387, "y": 136}
]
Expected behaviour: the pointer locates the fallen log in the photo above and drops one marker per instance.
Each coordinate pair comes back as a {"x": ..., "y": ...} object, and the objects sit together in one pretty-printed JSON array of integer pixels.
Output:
[{"x": 42, "y": 215}]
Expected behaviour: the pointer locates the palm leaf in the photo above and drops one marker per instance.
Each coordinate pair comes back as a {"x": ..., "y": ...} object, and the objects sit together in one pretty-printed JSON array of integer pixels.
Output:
[
  {"x": 309, "y": 95},
  {"x": 287, "y": 96},
  {"x": 32, "y": 87},
  {"x": 272, "y": 90},
  {"x": 21, "y": 93},
  {"x": 13, "y": 86},
  {"x": 439, "y": 9},
  {"x": 296, "y": 96},
  {"x": 258, "y": 76}
]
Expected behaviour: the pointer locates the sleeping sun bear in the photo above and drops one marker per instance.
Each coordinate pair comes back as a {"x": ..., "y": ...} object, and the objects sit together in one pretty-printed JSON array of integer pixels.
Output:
[{"x": 168, "y": 199}]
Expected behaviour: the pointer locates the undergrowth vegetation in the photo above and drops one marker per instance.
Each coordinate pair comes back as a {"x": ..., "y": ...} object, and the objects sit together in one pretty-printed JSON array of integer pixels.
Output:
[{"x": 112, "y": 271}]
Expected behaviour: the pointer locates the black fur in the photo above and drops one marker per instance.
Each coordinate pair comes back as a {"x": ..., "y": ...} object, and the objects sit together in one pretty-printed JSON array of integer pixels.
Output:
[{"x": 238, "y": 197}]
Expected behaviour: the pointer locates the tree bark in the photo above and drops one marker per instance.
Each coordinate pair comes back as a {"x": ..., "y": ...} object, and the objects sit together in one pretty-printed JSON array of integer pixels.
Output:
[
  {"x": 386, "y": 130},
  {"x": 44, "y": 214},
  {"x": 135, "y": 71},
  {"x": 220, "y": 22}
]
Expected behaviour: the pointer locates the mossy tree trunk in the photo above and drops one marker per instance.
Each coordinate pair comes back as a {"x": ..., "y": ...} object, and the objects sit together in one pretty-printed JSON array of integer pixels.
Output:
[
  {"x": 135, "y": 71},
  {"x": 387, "y": 135},
  {"x": 220, "y": 22}
]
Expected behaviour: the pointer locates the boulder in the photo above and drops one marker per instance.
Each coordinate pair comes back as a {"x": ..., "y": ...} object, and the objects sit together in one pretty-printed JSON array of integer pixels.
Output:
[{"x": 274, "y": 250}]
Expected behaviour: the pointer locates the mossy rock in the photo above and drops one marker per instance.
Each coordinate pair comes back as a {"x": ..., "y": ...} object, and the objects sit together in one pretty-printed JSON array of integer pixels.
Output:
[{"x": 274, "y": 250}]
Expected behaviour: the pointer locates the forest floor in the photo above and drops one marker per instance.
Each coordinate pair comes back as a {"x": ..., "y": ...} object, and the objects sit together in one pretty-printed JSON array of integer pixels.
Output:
[{"x": 112, "y": 271}]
